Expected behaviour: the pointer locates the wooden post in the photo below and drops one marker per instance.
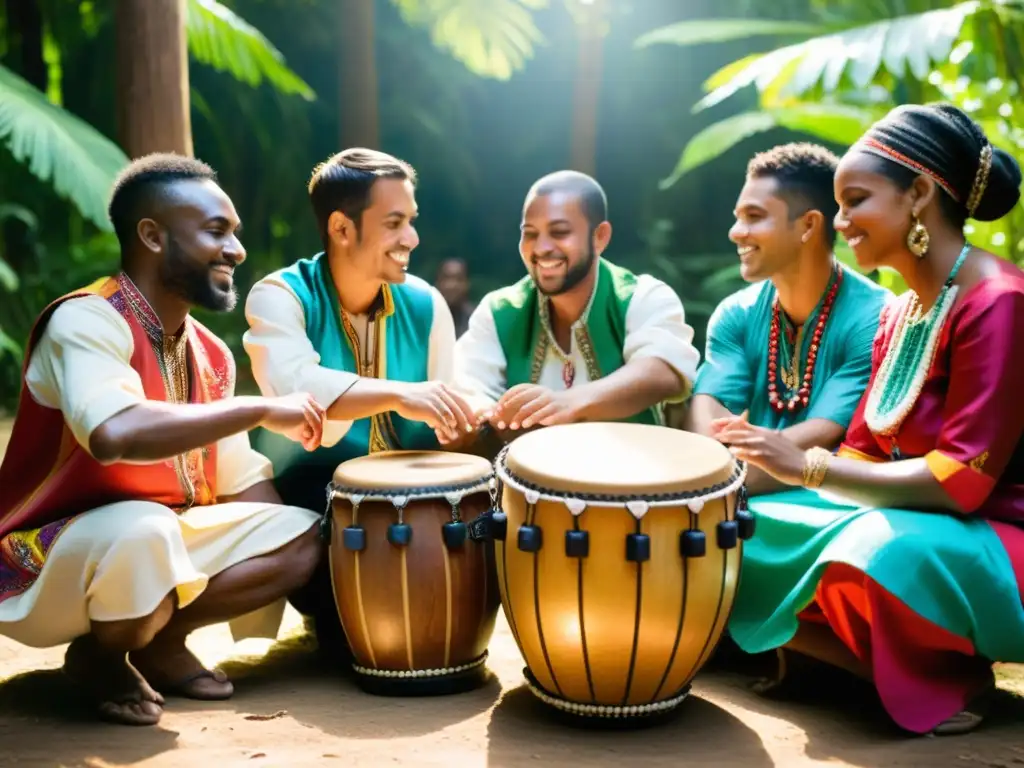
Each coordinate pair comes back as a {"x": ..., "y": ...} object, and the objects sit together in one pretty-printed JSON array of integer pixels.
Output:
[
  {"x": 152, "y": 77},
  {"x": 358, "y": 118},
  {"x": 591, "y": 29}
]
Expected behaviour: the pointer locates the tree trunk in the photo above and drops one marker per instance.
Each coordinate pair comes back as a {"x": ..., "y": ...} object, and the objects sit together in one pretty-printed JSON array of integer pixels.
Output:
[
  {"x": 587, "y": 89},
  {"x": 152, "y": 77},
  {"x": 25, "y": 41},
  {"x": 359, "y": 122}
]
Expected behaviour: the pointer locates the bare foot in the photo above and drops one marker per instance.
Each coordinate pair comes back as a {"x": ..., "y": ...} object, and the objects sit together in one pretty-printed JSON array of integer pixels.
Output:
[
  {"x": 173, "y": 669},
  {"x": 122, "y": 694}
]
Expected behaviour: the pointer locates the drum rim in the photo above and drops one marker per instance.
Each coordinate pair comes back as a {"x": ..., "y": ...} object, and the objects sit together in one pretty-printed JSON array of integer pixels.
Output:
[
  {"x": 697, "y": 498},
  {"x": 401, "y": 496}
]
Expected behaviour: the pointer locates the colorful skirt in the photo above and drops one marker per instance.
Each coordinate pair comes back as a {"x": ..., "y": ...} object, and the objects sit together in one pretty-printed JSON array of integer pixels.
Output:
[{"x": 926, "y": 601}]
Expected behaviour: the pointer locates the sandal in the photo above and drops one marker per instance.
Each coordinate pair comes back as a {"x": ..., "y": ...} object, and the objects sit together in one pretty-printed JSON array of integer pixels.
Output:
[
  {"x": 192, "y": 686},
  {"x": 968, "y": 719}
]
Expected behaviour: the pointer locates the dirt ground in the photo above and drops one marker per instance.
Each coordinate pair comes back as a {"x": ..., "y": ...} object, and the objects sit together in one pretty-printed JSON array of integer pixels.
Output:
[{"x": 289, "y": 711}]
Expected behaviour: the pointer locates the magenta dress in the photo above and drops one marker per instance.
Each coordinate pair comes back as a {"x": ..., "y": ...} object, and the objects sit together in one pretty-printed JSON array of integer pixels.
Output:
[{"x": 925, "y": 600}]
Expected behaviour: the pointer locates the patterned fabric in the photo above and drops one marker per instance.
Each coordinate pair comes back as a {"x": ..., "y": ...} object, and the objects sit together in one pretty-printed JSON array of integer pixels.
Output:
[
  {"x": 862, "y": 570},
  {"x": 48, "y": 477}
]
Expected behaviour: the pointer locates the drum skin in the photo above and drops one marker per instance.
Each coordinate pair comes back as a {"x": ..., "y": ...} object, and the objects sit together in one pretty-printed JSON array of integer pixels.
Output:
[
  {"x": 421, "y": 606},
  {"x": 601, "y": 629}
]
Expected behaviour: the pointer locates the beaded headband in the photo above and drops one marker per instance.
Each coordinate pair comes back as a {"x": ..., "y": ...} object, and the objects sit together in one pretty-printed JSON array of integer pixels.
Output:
[{"x": 980, "y": 178}]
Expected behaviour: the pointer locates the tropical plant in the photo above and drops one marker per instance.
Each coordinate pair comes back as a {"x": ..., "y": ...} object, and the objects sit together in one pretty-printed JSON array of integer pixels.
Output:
[{"x": 834, "y": 85}]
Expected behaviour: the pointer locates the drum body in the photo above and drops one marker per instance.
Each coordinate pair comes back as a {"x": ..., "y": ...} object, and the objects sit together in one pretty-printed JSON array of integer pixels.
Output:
[
  {"x": 416, "y": 591},
  {"x": 618, "y": 563}
]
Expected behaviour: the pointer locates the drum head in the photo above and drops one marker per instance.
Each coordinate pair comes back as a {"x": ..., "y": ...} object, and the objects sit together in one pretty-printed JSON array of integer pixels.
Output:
[
  {"x": 619, "y": 459},
  {"x": 393, "y": 470}
]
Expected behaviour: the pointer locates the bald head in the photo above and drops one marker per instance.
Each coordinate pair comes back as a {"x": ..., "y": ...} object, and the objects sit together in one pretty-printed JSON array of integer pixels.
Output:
[{"x": 579, "y": 186}]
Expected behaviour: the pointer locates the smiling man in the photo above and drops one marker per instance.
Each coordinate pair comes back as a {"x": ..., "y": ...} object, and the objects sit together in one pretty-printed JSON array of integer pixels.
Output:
[
  {"x": 133, "y": 509},
  {"x": 578, "y": 338},
  {"x": 792, "y": 351}
]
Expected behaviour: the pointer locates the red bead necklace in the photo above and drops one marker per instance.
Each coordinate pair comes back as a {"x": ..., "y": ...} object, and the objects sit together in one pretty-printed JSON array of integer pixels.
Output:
[{"x": 794, "y": 401}]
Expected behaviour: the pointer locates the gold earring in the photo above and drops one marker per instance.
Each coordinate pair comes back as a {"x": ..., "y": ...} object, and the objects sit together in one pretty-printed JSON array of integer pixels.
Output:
[{"x": 917, "y": 238}]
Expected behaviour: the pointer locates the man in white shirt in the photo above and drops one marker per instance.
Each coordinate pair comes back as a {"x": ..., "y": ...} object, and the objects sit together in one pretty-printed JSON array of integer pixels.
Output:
[
  {"x": 133, "y": 509},
  {"x": 369, "y": 341},
  {"x": 578, "y": 338}
]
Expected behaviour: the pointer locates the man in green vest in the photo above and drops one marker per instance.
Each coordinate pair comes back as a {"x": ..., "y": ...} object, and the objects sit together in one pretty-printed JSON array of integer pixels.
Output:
[
  {"x": 578, "y": 338},
  {"x": 373, "y": 342}
]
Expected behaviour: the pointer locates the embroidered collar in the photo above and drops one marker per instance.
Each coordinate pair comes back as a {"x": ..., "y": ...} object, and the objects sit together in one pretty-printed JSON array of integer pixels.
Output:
[
  {"x": 143, "y": 311},
  {"x": 543, "y": 307}
]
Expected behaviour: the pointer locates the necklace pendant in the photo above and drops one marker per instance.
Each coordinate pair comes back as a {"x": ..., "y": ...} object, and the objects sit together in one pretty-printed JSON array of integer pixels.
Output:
[{"x": 568, "y": 373}]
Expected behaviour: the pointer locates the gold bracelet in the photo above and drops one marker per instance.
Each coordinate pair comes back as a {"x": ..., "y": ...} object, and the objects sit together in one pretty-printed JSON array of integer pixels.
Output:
[{"x": 815, "y": 466}]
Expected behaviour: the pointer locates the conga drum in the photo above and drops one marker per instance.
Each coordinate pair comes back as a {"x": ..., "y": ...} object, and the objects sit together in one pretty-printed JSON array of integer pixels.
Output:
[
  {"x": 413, "y": 576},
  {"x": 618, "y": 562}
]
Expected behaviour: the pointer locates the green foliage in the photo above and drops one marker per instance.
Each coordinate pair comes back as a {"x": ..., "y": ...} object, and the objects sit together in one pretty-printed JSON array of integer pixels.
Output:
[
  {"x": 217, "y": 36},
  {"x": 701, "y": 31},
  {"x": 492, "y": 38},
  {"x": 58, "y": 147}
]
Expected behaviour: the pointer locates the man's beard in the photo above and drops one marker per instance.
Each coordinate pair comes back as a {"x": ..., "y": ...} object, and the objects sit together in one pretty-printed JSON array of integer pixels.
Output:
[
  {"x": 573, "y": 276},
  {"x": 193, "y": 282}
]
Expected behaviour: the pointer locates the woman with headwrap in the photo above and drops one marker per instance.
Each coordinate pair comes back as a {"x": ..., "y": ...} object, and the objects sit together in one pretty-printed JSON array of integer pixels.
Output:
[{"x": 902, "y": 557}]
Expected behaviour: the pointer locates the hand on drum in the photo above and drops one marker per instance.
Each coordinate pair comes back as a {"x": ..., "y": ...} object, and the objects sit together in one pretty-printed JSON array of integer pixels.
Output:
[
  {"x": 438, "y": 406},
  {"x": 530, "y": 405},
  {"x": 767, "y": 449},
  {"x": 297, "y": 416}
]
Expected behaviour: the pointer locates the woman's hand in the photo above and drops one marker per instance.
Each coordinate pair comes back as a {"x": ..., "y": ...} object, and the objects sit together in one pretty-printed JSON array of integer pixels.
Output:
[{"x": 764, "y": 448}]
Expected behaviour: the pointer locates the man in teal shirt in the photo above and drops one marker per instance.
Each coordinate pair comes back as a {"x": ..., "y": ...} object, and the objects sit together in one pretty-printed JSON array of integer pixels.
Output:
[{"x": 792, "y": 351}]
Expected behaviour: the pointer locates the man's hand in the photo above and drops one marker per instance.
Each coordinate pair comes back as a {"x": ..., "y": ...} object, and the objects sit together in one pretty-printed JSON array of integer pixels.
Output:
[
  {"x": 530, "y": 405},
  {"x": 297, "y": 416},
  {"x": 439, "y": 406}
]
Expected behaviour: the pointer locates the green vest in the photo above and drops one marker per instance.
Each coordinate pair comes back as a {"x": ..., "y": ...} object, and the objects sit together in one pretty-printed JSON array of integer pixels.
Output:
[{"x": 516, "y": 314}]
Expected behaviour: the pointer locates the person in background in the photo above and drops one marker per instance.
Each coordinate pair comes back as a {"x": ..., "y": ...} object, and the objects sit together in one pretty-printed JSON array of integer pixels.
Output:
[{"x": 453, "y": 283}]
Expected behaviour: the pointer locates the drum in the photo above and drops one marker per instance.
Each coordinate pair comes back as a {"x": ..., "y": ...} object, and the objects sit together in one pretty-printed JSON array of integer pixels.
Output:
[
  {"x": 413, "y": 576},
  {"x": 618, "y": 553}
]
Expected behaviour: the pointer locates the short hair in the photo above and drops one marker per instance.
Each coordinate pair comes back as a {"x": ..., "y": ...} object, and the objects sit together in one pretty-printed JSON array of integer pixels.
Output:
[
  {"x": 591, "y": 195},
  {"x": 805, "y": 174},
  {"x": 344, "y": 182},
  {"x": 944, "y": 142},
  {"x": 139, "y": 185}
]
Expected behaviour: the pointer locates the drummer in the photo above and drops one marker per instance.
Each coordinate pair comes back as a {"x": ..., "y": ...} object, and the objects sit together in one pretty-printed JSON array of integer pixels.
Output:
[
  {"x": 372, "y": 342},
  {"x": 578, "y": 338},
  {"x": 760, "y": 361}
]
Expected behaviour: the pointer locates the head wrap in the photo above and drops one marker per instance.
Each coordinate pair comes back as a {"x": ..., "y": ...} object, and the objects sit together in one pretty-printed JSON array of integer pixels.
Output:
[{"x": 938, "y": 141}]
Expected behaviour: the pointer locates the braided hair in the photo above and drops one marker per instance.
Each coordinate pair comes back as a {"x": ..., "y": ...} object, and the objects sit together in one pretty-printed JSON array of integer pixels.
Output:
[{"x": 975, "y": 179}]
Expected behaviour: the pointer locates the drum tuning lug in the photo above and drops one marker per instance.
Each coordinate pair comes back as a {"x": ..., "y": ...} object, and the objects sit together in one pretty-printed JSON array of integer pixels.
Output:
[
  {"x": 638, "y": 547},
  {"x": 727, "y": 534},
  {"x": 324, "y": 531},
  {"x": 577, "y": 544},
  {"x": 746, "y": 524},
  {"x": 530, "y": 538},
  {"x": 499, "y": 525},
  {"x": 354, "y": 538},
  {"x": 693, "y": 543},
  {"x": 400, "y": 534},
  {"x": 454, "y": 534}
]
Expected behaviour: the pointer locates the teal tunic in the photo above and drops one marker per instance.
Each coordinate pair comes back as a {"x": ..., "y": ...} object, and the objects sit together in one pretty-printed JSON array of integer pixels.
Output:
[
  {"x": 406, "y": 313},
  {"x": 735, "y": 369}
]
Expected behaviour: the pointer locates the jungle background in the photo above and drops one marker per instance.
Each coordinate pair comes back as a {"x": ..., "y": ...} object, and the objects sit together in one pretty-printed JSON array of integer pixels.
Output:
[{"x": 663, "y": 101}]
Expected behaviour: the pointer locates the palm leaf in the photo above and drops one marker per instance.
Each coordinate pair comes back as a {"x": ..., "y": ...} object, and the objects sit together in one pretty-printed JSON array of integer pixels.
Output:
[
  {"x": 217, "y": 36},
  {"x": 59, "y": 147},
  {"x": 906, "y": 46},
  {"x": 491, "y": 38},
  {"x": 722, "y": 30},
  {"x": 834, "y": 123}
]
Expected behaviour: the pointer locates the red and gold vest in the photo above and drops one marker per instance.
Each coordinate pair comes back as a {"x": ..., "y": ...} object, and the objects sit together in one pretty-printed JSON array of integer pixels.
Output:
[{"x": 47, "y": 477}]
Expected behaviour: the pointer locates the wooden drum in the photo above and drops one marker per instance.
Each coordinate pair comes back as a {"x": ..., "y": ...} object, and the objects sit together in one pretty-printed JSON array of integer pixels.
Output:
[
  {"x": 618, "y": 562},
  {"x": 413, "y": 578}
]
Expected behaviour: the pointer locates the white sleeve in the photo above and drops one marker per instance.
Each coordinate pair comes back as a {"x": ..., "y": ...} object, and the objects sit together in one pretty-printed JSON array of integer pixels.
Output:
[
  {"x": 479, "y": 360},
  {"x": 82, "y": 365},
  {"x": 441, "y": 357},
  {"x": 656, "y": 327},
  {"x": 283, "y": 358},
  {"x": 239, "y": 466}
]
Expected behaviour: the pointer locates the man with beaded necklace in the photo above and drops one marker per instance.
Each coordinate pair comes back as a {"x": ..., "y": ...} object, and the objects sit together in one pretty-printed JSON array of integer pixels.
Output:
[
  {"x": 578, "y": 338},
  {"x": 791, "y": 352}
]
